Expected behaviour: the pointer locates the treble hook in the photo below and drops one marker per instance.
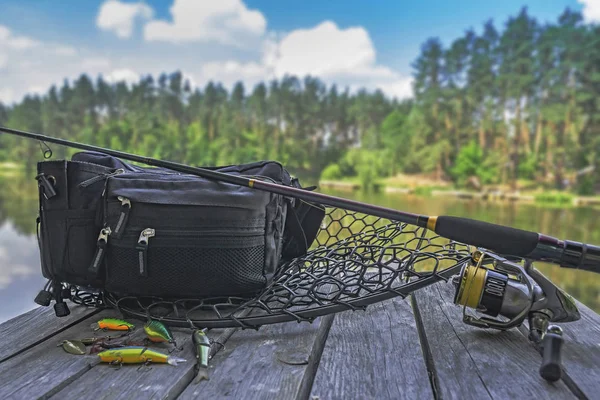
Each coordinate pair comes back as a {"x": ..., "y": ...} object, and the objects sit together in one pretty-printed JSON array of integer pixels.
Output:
[{"x": 46, "y": 152}]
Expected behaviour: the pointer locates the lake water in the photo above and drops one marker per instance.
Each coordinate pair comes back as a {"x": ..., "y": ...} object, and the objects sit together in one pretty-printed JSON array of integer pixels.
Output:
[{"x": 21, "y": 278}]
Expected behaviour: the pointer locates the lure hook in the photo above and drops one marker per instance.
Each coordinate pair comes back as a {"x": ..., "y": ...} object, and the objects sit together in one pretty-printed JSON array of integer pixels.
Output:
[
  {"x": 146, "y": 365},
  {"x": 116, "y": 364}
]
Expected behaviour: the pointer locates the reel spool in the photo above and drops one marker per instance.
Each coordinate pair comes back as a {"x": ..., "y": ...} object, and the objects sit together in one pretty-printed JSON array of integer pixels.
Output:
[{"x": 501, "y": 293}]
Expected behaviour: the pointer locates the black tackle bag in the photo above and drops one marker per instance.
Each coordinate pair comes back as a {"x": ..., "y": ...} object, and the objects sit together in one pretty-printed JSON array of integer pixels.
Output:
[{"x": 140, "y": 231}]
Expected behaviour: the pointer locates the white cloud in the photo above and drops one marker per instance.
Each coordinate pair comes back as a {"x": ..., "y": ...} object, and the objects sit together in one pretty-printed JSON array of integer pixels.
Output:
[
  {"x": 230, "y": 72},
  {"x": 346, "y": 56},
  {"x": 119, "y": 17},
  {"x": 124, "y": 74},
  {"x": 8, "y": 41},
  {"x": 225, "y": 21},
  {"x": 65, "y": 51},
  {"x": 322, "y": 50},
  {"x": 95, "y": 63},
  {"x": 21, "y": 43},
  {"x": 7, "y": 95},
  {"x": 591, "y": 10}
]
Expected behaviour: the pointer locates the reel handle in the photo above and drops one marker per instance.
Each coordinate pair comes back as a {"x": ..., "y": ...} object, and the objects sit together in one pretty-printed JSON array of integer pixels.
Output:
[{"x": 551, "y": 369}]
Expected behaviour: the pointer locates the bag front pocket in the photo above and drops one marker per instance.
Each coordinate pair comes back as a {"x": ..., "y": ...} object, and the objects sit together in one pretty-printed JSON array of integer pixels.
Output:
[{"x": 186, "y": 263}]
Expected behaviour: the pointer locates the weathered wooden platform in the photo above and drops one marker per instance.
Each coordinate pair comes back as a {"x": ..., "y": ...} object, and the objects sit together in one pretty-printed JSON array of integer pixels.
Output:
[{"x": 414, "y": 348}]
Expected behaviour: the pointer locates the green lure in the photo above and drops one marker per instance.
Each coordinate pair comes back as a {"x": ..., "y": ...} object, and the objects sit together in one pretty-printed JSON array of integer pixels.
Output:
[
  {"x": 158, "y": 332},
  {"x": 202, "y": 348}
]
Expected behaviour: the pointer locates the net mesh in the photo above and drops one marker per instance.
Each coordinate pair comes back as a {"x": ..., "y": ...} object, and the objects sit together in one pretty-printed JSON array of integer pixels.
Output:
[{"x": 356, "y": 260}]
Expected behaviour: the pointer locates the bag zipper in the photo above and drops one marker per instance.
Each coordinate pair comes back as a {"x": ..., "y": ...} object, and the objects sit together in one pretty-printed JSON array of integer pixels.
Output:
[
  {"x": 97, "y": 178},
  {"x": 142, "y": 248},
  {"x": 199, "y": 234},
  {"x": 123, "y": 216},
  {"x": 100, "y": 250}
]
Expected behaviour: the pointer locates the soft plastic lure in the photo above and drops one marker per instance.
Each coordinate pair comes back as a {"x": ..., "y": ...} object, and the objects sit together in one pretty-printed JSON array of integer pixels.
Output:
[
  {"x": 202, "y": 347},
  {"x": 93, "y": 340},
  {"x": 137, "y": 355},
  {"x": 73, "y": 346},
  {"x": 158, "y": 332},
  {"x": 112, "y": 324}
]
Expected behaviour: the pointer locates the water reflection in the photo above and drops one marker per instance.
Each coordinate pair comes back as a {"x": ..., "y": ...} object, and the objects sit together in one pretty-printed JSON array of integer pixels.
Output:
[{"x": 20, "y": 274}]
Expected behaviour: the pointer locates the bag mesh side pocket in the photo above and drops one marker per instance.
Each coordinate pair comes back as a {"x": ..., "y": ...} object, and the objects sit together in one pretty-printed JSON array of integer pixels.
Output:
[{"x": 187, "y": 271}]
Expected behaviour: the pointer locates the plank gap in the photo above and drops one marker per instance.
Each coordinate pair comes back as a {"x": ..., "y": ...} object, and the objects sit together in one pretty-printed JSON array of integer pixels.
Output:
[
  {"x": 442, "y": 298},
  {"x": 427, "y": 355},
  {"x": 315, "y": 357}
]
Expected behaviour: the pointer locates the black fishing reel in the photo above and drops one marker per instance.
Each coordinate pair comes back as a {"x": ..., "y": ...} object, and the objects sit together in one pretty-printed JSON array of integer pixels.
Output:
[{"x": 498, "y": 293}]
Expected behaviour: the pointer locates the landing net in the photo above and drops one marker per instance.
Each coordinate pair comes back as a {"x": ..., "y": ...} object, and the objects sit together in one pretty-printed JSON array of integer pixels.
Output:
[{"x": 356, "y": 260}]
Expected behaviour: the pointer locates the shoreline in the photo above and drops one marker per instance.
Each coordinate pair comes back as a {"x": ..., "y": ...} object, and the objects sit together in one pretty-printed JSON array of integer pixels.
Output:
[{"x": 537, "y": 197}]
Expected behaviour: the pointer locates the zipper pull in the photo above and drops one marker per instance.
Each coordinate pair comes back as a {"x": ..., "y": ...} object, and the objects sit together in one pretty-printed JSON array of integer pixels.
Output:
[
  {"x": 123, "y": 217},
  {"x": 97, "y": 178},
  {"x": 142, "y": 248},
  {"x": 100, "y": 250}
]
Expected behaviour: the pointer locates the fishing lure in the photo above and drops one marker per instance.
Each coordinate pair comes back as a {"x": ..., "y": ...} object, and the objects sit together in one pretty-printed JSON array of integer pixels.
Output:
[
  {"x": 73, "y": 347},
  {"x": 92, "y": 340},
  {"x": 158, "y": 332},
  {"x": 202, "y": 348},
  {"x": 103, "y": 345},
  {"x": 137, "y": 355},
  {"x": 112, "y": 324}
]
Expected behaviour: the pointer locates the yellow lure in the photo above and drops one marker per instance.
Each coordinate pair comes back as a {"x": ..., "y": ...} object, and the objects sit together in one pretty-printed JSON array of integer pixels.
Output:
[{"x": 137, "y": 355}]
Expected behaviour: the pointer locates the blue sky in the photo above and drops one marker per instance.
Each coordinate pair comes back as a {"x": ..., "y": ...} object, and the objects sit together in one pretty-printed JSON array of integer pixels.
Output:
[{"x": 353, "y": 43}]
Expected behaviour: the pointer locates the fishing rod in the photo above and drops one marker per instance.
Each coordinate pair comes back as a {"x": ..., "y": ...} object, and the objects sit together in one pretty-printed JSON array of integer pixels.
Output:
[{"x": 498, "y": 238}]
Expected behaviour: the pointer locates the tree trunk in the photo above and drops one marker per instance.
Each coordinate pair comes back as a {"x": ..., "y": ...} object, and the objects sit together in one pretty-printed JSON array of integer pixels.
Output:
[
  {"x": 516, "y": 148},
  {"x": 481, "y": 136},
  {"x": 277, "y": 137},
  {"x": 538, "y": 135},
  {"x": 524, "y": 132},
  {"x": 549, "y": 153}
]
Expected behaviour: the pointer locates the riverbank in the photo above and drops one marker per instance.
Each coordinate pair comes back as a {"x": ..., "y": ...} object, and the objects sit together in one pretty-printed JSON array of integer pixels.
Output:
[
  {"x": 10, "y": 169},
  {"x": 427, "y": 186}
]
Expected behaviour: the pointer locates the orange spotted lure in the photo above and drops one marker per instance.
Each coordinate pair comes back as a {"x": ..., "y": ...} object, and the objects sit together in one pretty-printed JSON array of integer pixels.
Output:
[{"x": 112, "y": 324}]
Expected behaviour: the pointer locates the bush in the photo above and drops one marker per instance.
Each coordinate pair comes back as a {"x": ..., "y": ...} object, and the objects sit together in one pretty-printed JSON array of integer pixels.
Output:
[
  {"x": 554, "y": 198},
  {"x": 585, "y": 185},
  {"x": 471, "y": 162},
  {"x": 331, "y": 172}
]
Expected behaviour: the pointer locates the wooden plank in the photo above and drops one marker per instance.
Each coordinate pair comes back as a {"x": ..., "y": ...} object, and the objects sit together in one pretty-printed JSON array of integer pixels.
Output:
[
  {"x": 45, "y": 368},
  {"x": 267, "y": 364},
  {"x": 473, "y": 363},
  {"x": 373, "y": 354},
  {"x": 25, "y": 330}
]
